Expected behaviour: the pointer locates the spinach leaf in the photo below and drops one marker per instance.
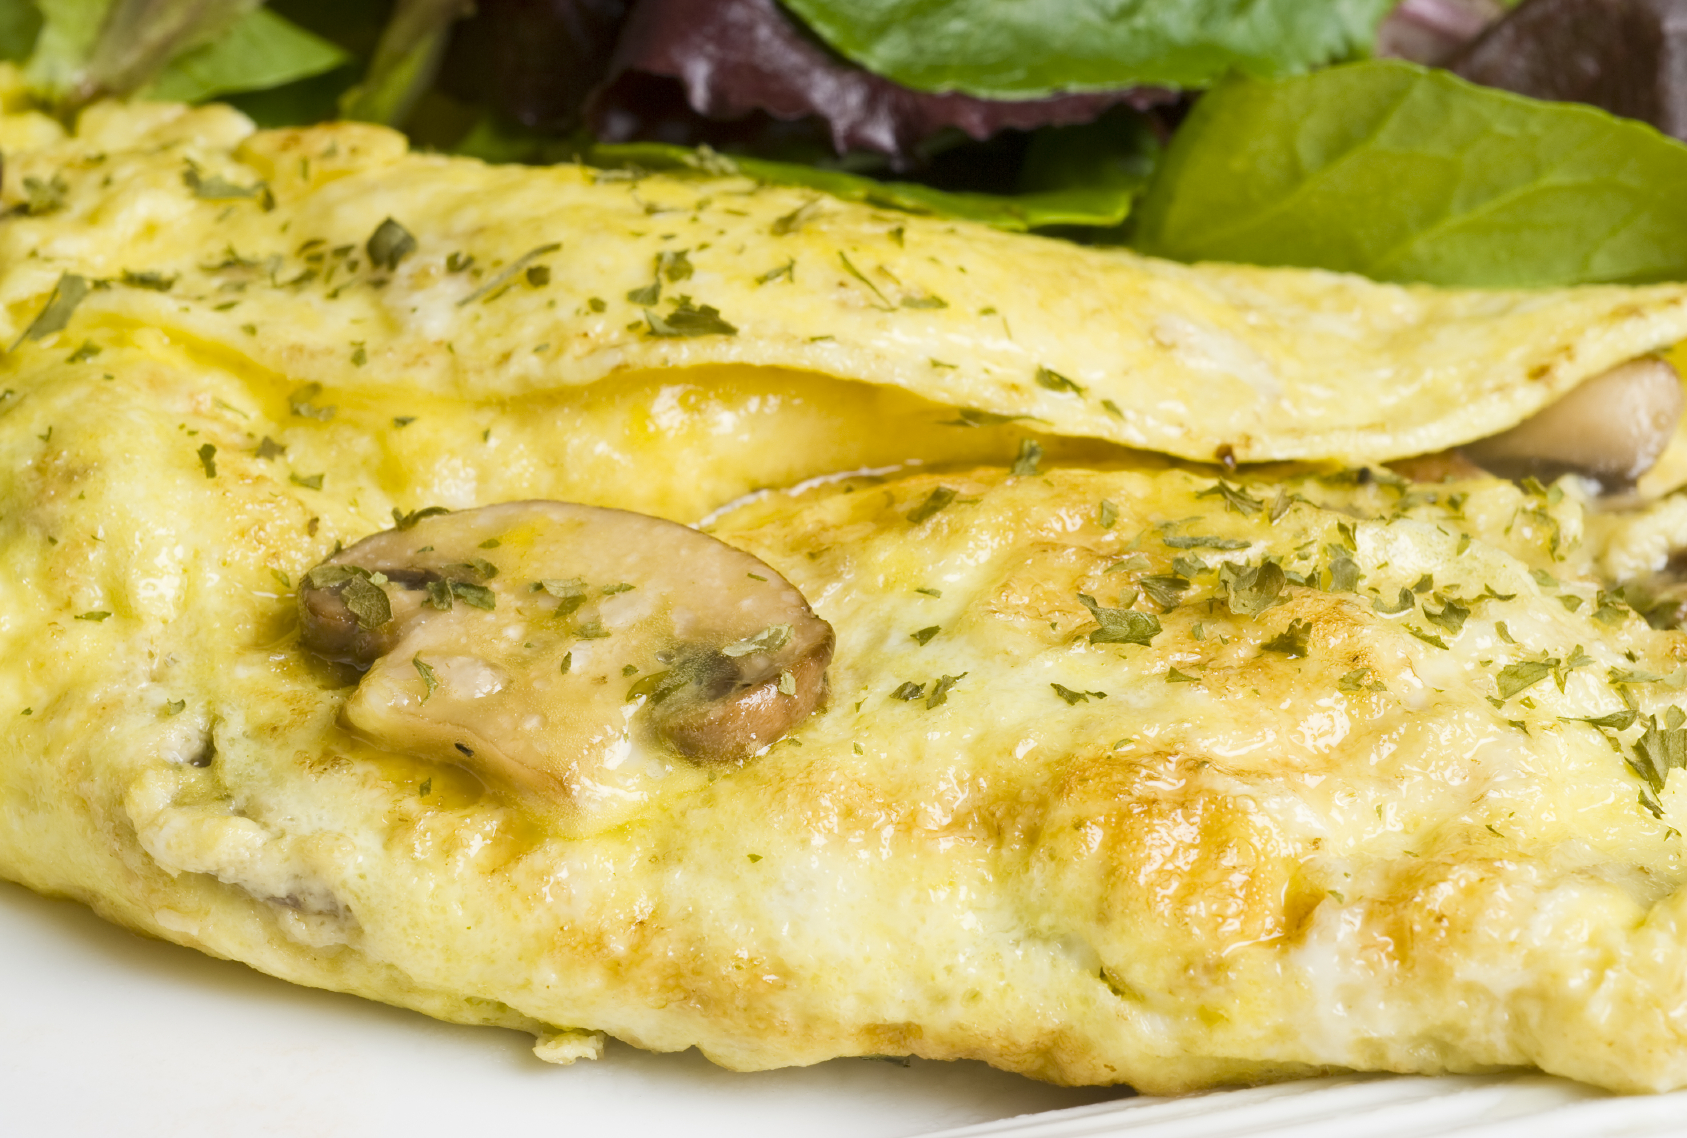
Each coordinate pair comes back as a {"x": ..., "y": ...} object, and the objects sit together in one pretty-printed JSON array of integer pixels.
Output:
[
  {"x": 261, "y": 51},
  {"x": 1407, "y": 174},
  {"x": 1104, "y": 204},
  {"x": 1038, "y": 47}
]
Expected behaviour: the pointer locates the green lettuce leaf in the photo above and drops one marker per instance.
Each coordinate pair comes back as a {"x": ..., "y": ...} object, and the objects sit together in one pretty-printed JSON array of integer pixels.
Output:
[
  {"x": 1031, "y": 48},
  {"x": 20, "y": 24},
  {"x": 259, "y": 52},
  {"x": 1104, "y": 181},
  {"x": 1408, "y": 174}
]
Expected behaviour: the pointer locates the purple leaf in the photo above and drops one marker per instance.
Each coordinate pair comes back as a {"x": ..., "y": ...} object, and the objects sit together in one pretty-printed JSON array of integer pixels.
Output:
[
  {"x": 739, "y": 60},
  {"x": 536, "y": 61},
  {"x": 1626, "y": 56}
]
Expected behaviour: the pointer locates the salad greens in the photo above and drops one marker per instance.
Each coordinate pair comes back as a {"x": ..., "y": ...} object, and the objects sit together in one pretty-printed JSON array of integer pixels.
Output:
[
  {"x": 1405, "y": 173},
  {"x": 78, "y": 50},
  {"x": 1085, "y": 176},
  {"x": 1032, "y": 48},
  {"x": 1189, "y": 129}
]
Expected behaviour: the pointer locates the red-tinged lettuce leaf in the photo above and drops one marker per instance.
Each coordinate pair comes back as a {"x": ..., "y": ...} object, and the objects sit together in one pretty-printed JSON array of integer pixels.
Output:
[
  {"x": 1627, "y": 56},
  {"x": 1433, "y": 31},
  {"x": 533, "y": 61},
  {"x": 735, "y": 60},
  {"x": 1404, "y": 173},
  {"x": 1108, "y": 175}
]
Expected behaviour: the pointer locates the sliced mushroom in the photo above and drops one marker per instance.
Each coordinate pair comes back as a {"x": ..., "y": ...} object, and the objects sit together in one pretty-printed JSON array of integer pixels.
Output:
[
  {"x": 563, "y": 648},
  {"x": 1611, "y": 428}
]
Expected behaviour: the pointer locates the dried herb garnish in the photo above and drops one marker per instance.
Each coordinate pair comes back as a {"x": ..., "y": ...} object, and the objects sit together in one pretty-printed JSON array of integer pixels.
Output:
[
  {"x": 1627, "y": 676},
  {"x": 406, "y": 521},
  {"x": 428, "y": 676},
  {"x": 439, "y": 595},
  {"x": 479, "y": 596},
  {"x": 940, "y": 689},
  {"x": 308, "y": 481},
  {"x": 44, "y": 197},
  {"x": 86, "y": 352},
  {"x": 973, "y": 417},
  {"x": 1426, "y": 637},
  {"x": 1253, "y": 590},
  {"x": 96, "y": 616},
  {"x": 1030, "y": 455},
  {"x": 1234, "y": 497},
  {"x": 924, "y": 635},
  {"x": 1201, "y": 541},
  {"x": 1165, "y": 590},
  {"x": 208, "y": 459},
  {"x": 1292, "y": 641},
  {"x": 1615, "y": 721},
  {"x": 1054, "y": 381},
  {"x": 909, "y": 691},
  {"x": 1344, "y": 574},
  {"x": 687, "y": 320},
  {"x": 61, "y": 305},
  {"x": 1173, "y": 676},
  {"x": 150, "y": 279},
  {"x": 1120, "y": 626},
  {"x": 216, "y": 188},
  {"x": 1451, "y": 617},
  {"x": 1522, "y": 675},
  {"x": 647, "y": 295},
  {"x": 769, "y": 639},
  {"x": 849, "y": 266},
  {"x": 366, "y": 601},
  {"x": 1106, "y": 514},
  {"x": 1076, "y": 697},
  {"x": 935, "y": 502},
  {"x": 1405, "y": 602},
  {"x": 389, "y": 244},
  {"x": 1660, "y": 750},
  {"x": 495, "y": 287},
  {"x": 302, "y": 402}
]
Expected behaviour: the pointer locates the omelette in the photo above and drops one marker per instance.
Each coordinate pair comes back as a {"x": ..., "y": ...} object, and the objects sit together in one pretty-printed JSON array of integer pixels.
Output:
[{"x": 715, "y": 615}]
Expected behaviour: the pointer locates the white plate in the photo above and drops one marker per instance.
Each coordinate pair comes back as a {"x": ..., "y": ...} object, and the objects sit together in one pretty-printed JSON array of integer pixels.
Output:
[{"x": 105, "y": 1032}]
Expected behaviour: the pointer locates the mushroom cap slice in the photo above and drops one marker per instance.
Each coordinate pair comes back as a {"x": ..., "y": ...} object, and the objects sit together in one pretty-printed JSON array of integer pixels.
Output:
[
  {"x": 1611, "y": 428},
  {"x": 573, "y": 651}
]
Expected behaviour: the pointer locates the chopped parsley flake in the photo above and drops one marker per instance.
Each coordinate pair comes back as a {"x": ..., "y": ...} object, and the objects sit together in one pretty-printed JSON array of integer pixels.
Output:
[
  {"x": 924, "y": 635},
  {"x": 1120, "y": 626},
  {"x": 61, "y": 305},
  {"x": 1030, "y": 455},
  {"x": 1076, "y": 697},
  {"x": 1451, "y": 617},
  {"x": 1234, "y": 498},
  {"x": 941, "y": 688},
  {"x": 389, "y": 244},
  {"x": 427, "y": 674},
  {"x": 769, "y": 639},
  {"x": 687, "y": 320},
  {"x": 208, "y": 459},
  {"x": 1054, "y": 381},
  {"x": 406, "y": 521},
  {"x": 1522, "y": 675},
  {"x": 302, "y": 403},
  {"x": 1200, "y": 541},
  {"x": 909, "y": 691},
  {"x": 934, "y": 502},
  {"x": 479, "y": 596},
  {"x": 1173, "y": 676},
  {"x": 1403, "y": 604},
  {"x": 175, "y": 707},
  {"x": 1106, "y": 514},
  {"x": 96, "y": 616},
  {"x": 308, "y": 481},
  {"x": 1292, "y": 641},
  {"x": 366, "y": 601},
  {"x": 1255, "y": 589}
]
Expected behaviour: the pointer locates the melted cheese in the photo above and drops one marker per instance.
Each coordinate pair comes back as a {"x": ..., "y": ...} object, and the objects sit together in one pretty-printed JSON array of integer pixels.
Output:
[{"x": 526, "y": 281}]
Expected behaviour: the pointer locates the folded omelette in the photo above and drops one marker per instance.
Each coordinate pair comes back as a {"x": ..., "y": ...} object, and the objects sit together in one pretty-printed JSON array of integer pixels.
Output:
[{"x": 349, "y": 630}]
